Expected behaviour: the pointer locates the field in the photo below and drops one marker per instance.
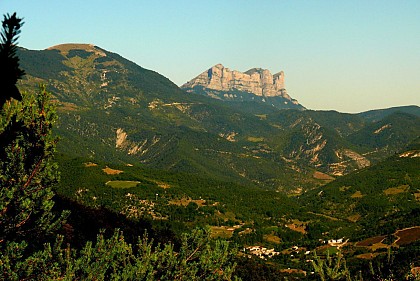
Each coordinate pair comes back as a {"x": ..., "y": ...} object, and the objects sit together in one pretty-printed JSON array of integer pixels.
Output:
[
  {"x": 321, "y": 176},
  {"x": 90, "y": 164},
  {"x": 371, "y": 241},
  {"x": 354, "y": 218},
  {"x": 368, "y": 256},
  {"x": 357, "y": 194},
  {"x": 255, "y": 139},
  {"x": 122, "y": 184},
  {"x": 407, "y": 235},
  {"x": 222, "y": 231},
  {"x": 396, "y": 190},
  {"x": 110, "y": 171},
  {"x": 272, "y": 238},
  {"x": 161, "y": 184},
  {"x": 404, "y": 237},
  {"x": 185, "y": 201},
  {"x": 298, "y": 226}
]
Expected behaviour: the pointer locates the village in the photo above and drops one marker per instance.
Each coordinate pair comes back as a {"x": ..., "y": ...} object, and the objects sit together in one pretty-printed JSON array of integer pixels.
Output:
[{"x": 265, "y": 253}]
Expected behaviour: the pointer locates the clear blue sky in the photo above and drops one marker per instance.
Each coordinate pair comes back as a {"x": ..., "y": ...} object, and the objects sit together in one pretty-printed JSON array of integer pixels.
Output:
[{"x": 349, "y": 56}]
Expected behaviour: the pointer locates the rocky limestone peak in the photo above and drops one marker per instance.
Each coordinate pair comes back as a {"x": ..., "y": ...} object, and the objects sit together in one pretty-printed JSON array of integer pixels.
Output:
[{"x": 257, "y": 81}]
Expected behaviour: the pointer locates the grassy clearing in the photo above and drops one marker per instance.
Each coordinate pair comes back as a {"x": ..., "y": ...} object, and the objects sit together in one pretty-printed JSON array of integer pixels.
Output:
[
  {"x": 110, "y": 171},
  {"x": 344, "y": 188},
  {"x": 357, "y": 194},
  {"x": 261, "y": 116},
  {"x": 161, "y": 184},
  {"x": 298, "y": 226},
  {"x": 272, "y": 238},
  {"x": 185, "y": 201},
  {"x": 255, "y": 139},
  {"x": 67, "y": 106},
  {"x": 222, "y": 231},
  {"x": 323, "y": 250},
  {"x": 122, "y": 184},
  {"x": 321, "y": 176},
  {"x": 354, "y": 218},
  {"x": 396, "y": 190},
  {"x": 325, "y": 216}
]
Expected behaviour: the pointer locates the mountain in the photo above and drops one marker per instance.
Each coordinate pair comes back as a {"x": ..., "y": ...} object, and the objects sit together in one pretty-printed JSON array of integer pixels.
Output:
[
  {"x": 389, "y": 133},
  {"x": 379, "y": 114},
  {"x": 256, "y": 84},
  {"x": 112, "y": 110}
]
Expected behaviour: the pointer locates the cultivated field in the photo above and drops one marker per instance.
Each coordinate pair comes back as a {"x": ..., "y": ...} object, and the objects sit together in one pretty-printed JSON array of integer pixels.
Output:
[
  {"x": 407, "y": 235},
  {"x": 122, "y": 184},
  {"x": 371, "y": 241}
]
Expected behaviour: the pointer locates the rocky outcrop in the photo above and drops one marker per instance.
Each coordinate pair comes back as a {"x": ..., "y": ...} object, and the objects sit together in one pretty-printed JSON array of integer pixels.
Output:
[{"x": 257, "y": 81}]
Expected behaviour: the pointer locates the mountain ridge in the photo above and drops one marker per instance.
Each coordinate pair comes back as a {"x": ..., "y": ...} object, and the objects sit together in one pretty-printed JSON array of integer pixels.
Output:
[{"x": 113, "y": 109}]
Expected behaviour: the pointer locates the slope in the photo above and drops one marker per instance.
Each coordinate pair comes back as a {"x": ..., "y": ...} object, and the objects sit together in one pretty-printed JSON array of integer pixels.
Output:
[{"x": 376, "y": 200}]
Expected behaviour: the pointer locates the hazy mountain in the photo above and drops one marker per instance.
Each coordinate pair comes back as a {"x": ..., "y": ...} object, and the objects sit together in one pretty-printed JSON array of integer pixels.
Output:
[{"x": 379, "y": 114}]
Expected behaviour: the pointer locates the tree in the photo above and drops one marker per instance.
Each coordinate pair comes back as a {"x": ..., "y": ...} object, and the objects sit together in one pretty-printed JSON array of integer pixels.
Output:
[
  {"x": 331, "y": 268},
  {"x": 10, "y": 72},
  {"x": 27, "y": 147}
]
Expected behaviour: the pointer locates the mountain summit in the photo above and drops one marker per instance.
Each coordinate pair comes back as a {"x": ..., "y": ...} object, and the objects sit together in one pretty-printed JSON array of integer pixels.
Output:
[{"x": 223, "y": 83}]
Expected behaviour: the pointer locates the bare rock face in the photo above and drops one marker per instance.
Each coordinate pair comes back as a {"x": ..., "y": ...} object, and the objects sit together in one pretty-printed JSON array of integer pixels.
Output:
[{"x": 257, "y": 81}]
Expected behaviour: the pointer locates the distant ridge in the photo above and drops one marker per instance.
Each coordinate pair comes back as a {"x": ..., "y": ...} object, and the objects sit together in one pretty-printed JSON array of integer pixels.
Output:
[{"x": 378, "y": 114}]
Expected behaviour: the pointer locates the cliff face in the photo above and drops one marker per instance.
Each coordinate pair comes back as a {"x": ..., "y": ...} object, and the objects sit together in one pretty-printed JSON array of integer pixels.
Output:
[{"x": 257, "y": 81}]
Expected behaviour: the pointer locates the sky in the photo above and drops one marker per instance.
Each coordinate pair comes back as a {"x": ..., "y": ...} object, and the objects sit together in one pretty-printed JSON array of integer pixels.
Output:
[{"x": 349, "y": 56}]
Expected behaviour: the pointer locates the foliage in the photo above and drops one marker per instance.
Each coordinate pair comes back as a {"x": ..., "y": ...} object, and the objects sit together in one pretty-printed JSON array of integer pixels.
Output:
[
  {"x": 331, "y": 268},
  {"x": 115, "y": 259},
  {"x": 28, "y": 174},
  {"x": 385, "y": 267}
]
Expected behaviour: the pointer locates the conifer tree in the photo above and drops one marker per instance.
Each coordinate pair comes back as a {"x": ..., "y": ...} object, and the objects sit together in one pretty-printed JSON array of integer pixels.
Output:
[
  {"x": 27, "y": 147},
  {"x": 27, "y": 144},
  {"x": 10, "y": 72}
]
